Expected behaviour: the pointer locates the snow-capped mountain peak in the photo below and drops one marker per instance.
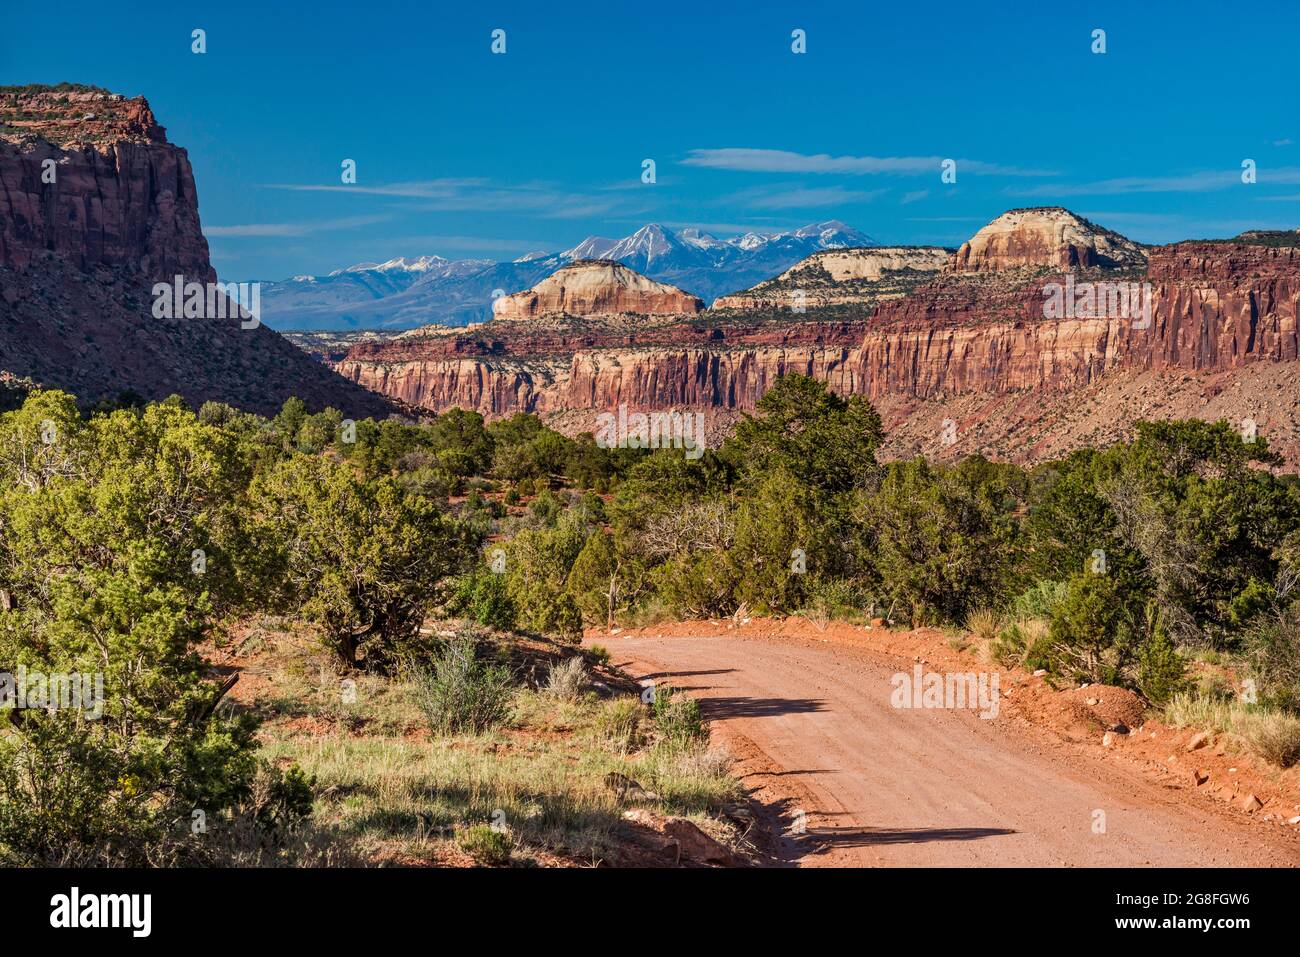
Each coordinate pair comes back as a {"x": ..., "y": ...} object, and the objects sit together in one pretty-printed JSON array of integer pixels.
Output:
[
  {"x": 418, "y": 264},
  {"x": 650, "y": 242},
  {"x": 399, "y": 264},
  {"x": 593, "y": 247},
  {"x": 699, "y": 239},
  {"x": 753, "y": 240},
  {"x": 833, "y": 234},
  {"x": 406, "y": 292}
]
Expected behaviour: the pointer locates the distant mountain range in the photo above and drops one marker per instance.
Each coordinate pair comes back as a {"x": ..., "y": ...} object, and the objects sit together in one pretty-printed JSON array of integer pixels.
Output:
[{"x": 403, "y": 293}]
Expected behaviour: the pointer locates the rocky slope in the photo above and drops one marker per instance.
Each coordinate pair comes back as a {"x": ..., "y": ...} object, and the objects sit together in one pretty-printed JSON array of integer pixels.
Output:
[
  {"x": 843, "y": 277},
  {"x": 408, "y": 293},
  {"x": 95, "y": 208},
  {"x": 975, "y": 346},
  {"x": 122, "y": 195},
  {"x": 1214, "y": 306},
  {"x": 1050, "y": 237},
  {"x": 596, "y": 287}
]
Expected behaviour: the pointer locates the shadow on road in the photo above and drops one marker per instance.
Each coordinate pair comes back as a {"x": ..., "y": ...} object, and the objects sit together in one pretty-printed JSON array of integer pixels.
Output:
[
  {"x": 782, "y": 774},
  {"x": 832, "y": 837},
  {"x": 723, "y": 707},
  {"x": 788, "y": 846},
  {"x": 682, "y": 674}
]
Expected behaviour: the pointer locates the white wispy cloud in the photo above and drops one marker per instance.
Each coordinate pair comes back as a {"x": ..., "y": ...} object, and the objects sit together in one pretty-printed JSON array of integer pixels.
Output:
[
  {"x": 745, "y": 159},
  {"x": 471, "y": 243},
  {"x": 414, "y": 189},
  {"x": 1201, "y": 181},
  {"x": 799, "y": 197},
  {"x": 1171, "y": 227},
  {"x": 474, "y": 196},
  {"x": 293, "y": 229}
]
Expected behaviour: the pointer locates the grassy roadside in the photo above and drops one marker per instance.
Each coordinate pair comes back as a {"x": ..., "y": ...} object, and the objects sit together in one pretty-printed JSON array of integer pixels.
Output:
[{"x": 548, "y": 785}]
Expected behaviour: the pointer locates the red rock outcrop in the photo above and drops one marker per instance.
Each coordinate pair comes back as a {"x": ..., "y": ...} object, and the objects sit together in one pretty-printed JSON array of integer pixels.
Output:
[
  {"x": 1047, "y": 236},
  {"x": 1215, "y": 307},
  {"x": 81, "y": 249},
  {"x": 838, "y": 277},
  {"x": 121, "y": 194},
  {"x": 644, "y": 378},
  {"x": 596, "y": 287}
]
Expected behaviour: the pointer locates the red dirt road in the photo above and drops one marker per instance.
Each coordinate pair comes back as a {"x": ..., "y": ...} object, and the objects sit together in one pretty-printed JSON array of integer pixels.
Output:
[{"x": 812, "y": 724}]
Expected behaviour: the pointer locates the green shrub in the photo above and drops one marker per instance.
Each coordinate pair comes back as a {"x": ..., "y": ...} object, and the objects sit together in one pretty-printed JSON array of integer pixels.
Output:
[
  {"x": 618, "y": 724},
  {"x": 1039, "y": 600},
  {"x": 482, "y": 596},
  {"x": 946, "y": 540},
  {"x": 1273, "y": 659},
  {"x": 545, "y": 509},
  {"x": 98, "y": 519},
  {"x": 567, "y": 679},
  {"x": 1022, "y": 643},
  {"x": 538, "y": 564},
  {"x": 1160, "y": 668},
  {"x": 362, "y": 559},
  {"x": 461, "y": 694},
  {"x": 839, "y": 599},
  {"x": 485, "y": 845},
  {"x": 678, "y": 717},
  {"x": 1091, "y": 638}
]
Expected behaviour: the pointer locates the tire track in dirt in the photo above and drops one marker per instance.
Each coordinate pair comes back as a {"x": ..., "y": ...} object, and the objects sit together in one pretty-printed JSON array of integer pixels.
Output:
[{"x": 814, "y": 728}]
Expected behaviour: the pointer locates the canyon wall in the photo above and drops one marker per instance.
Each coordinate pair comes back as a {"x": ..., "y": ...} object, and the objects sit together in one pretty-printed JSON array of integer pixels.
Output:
[
  {"x": 596, "y": 287},
  {"x": 1044, "y": 236},
  {"x": 1214, "y": 306},
  {"x": 644, "y": 377},
  {"x": 95, "y": 207},
  {"x": 121, "y": 195}
]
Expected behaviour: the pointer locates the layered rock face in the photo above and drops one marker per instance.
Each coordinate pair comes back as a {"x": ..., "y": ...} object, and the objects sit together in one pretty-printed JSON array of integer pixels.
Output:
[
  {"x": 95, "y": 208},
  {"x": 1049, "y": 237},
  {"x": 1212, "y": 306},
  {"x": 843, "y": 277},
  {"x": 643, "y": 378},
  {"x": 982, "y": 347},
  {"x": 499, "y": 371},
  {"x": 566, "y": 360},
  {"x": 596, "y": 287},
  {"x": 121, "y": 194}
]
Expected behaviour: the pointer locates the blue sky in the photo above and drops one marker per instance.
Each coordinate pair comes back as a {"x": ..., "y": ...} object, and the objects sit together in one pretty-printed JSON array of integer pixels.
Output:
[{"x": 464, "y": 153}]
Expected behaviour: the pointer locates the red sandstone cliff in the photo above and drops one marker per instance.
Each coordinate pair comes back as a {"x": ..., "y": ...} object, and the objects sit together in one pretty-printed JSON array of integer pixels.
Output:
[
  {"x": 81, "y": 249},
  {"x": 1044, "y": 237},
  {"x": 122, "y": 195},
  {"x": 596, "y": 287},
  {"x": 838, "y": 277},
  {"x": 644, "y": 378},
  {"x": 1215, "y": 307}
]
